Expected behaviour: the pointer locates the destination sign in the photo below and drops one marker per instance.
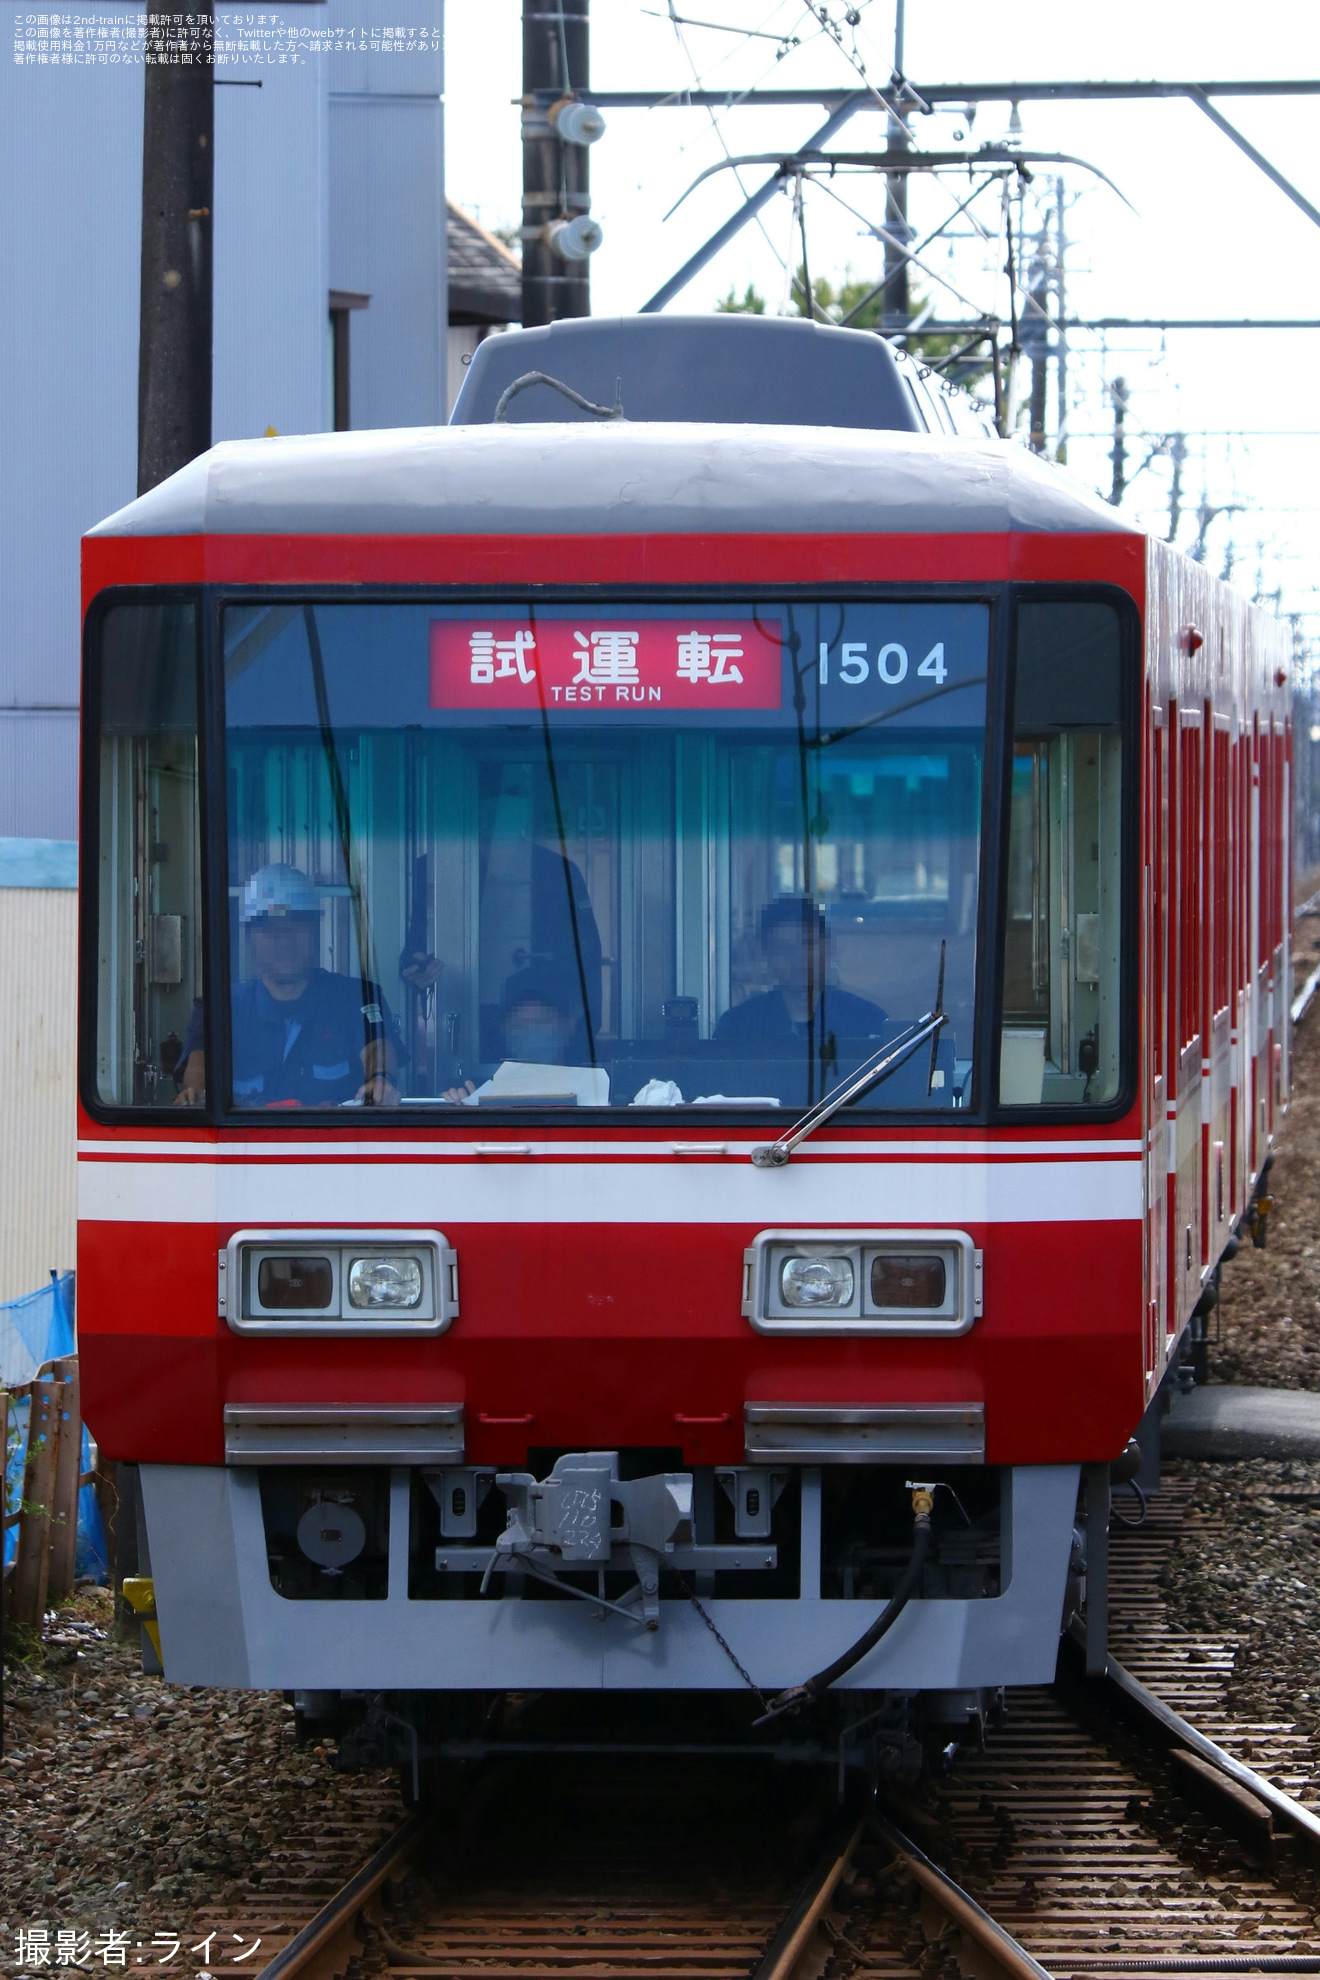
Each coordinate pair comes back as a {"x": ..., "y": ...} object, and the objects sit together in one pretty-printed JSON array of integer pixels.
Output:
[{"x": 688, "y": 662}]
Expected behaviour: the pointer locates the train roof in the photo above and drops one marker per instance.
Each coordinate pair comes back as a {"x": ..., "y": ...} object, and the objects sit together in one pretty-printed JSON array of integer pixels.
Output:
[
  {"x": 614, "y": 477},
  {"x": 728, "y": 368}
]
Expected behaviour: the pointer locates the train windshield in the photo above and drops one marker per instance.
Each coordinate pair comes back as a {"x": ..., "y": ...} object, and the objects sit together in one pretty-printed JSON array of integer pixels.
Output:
[{"x": 620, "y": 855}]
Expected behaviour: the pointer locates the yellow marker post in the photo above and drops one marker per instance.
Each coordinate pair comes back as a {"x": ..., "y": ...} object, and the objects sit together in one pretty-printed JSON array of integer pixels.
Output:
[{"x": 140, "y": 1594}]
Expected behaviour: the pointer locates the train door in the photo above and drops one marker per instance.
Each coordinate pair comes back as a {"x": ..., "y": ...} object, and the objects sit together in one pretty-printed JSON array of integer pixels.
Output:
[
  {"x": 1283, "y": 993},
  {"x": 1216, "y": 1205},
  {"x": 1238, "y": 1131},
  {"x": 1160, "y": 1327},
  {"x": 1186, "y": 1007},
  {"x": 1277, "y": 952},
  {"x": 1257, "y": 1026}
]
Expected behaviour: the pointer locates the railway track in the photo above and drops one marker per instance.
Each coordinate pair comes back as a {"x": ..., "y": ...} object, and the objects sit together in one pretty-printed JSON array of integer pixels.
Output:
[
  {"x": 664, "y": 1874},
  {"x": 1097, "y": 1834}
]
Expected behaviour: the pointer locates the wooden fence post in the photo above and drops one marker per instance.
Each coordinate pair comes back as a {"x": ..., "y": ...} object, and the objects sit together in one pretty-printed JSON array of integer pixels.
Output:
[
  {"x": 107, "y": 1498},
  {"x": 68, "y": 1472},
  {"x": 4, "y": 1528},
  {"x": 32, "y": 1568}
]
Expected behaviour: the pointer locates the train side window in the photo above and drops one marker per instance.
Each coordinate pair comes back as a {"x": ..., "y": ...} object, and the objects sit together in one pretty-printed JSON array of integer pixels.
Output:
[
  {"x": 148, "y": 939},
  {"x": 1061, "y": 965}
]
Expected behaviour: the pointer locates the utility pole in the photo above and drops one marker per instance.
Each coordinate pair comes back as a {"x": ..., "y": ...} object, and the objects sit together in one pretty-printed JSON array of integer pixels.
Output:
[
  {"x": 1178, "y": 455},
  {"x": 1036, "y": 336},
  {"x": 178, "y": 161},
  {"x": 1118, "y": 454},
  {"x": 557, "y": 234},
  {"x": 1061, "y": 334},
  {"x": 895, "y": 304}
]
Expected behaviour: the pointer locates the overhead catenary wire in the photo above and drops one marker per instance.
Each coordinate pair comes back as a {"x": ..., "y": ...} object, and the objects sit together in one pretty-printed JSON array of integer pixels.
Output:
[
  {"x": 714, "y": 115},
  {"x": 854, "y": 44}
]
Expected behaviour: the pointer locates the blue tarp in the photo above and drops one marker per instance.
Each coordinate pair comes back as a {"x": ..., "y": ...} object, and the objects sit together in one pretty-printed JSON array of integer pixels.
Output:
[{"x": 33, "y": 1331}]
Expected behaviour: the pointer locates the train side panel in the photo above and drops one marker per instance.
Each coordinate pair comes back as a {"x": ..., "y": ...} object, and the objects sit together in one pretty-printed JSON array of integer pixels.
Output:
[{"x": 1216, "y": 880}]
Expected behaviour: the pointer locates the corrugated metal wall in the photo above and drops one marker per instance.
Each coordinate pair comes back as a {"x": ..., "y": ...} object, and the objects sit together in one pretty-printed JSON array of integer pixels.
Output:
[
  {"x": 39, "y": 773},
  {"x": 38, "y": 1002}
]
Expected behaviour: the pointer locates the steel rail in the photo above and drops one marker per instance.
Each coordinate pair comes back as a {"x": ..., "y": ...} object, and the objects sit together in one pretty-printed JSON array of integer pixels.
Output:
[
  {"x": 1301, "y": 1003},
  {"x": 791, "y": 1940},
  {"x": 1174, "y": 1730},
  {"x": 1009, "y": 1956},
  {"x": 338, "y": 1913}
]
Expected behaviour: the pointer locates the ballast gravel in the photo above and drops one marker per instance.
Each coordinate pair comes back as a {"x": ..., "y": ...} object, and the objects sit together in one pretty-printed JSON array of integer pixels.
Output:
[
  {"x": 128, "y": 1805},
  {"x": 1253, "y": 1574},
  {"x": 1268, "y": 1321}
]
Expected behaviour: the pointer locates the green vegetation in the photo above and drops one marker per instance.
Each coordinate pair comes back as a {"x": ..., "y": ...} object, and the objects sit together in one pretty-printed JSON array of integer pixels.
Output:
[{"x": 858, "y": 304}]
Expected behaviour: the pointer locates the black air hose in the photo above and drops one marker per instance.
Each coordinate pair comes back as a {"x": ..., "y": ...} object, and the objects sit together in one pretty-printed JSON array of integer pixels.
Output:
[{"x": 800, "y": 1695}]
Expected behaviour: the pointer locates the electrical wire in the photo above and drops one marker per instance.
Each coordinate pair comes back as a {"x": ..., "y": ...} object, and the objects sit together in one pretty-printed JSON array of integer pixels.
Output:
[
  {"x": 882, "y": 234},
  {"x": 714, "y": 117}
]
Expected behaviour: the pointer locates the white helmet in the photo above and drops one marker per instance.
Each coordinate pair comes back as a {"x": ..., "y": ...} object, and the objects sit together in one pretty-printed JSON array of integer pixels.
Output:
[{"x": 278, "y": 890}]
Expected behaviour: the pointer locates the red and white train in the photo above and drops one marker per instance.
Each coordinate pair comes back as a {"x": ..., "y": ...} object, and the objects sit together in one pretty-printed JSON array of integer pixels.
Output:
[{"x": 676, "y": 1011}]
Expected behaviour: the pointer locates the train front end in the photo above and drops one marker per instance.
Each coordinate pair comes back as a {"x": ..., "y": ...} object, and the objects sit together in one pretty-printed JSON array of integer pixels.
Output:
[{"x": 611, "y": 1141}]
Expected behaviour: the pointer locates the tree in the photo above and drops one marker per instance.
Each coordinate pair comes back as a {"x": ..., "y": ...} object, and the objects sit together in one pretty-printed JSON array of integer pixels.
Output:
[
  {"x": 752, "y": 302},
  {"x": 859, "y": 303}
]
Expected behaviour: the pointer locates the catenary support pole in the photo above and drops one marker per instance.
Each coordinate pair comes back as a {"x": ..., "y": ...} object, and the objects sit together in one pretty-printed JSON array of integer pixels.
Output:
[
  {"x": 556, "y": 176},
  {"x": 178, "y": 154},
  {"x": 1036, "y": 337},
  {"x": 1202, "y": 101},
  {"x": 1061, "y": 318},
  {"x": 895, "y": 305},
  {"x": 1118, "y": 453}
]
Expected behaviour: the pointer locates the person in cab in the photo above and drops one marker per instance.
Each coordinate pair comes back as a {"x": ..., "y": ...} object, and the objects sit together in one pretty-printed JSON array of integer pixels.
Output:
[
  {"x": 803, "y": 1002},
  {"x": 302, "y": 1036}
]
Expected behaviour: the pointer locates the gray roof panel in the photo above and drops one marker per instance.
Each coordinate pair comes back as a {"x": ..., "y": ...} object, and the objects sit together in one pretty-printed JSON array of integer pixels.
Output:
[
  {"x": 725, "y": 368},
  {"x": 613, "y": 478}
]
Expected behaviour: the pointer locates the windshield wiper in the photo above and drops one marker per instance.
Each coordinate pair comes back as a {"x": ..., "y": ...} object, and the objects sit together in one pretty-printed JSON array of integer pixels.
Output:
[{"x": 773, "y": 1155}]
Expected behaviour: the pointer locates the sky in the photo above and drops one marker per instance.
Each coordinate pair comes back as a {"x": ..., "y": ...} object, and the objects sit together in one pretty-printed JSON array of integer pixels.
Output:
[{"x": 1203, "y": 232}]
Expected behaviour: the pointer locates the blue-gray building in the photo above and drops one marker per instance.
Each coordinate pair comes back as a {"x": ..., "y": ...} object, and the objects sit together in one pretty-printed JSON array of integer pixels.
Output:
[{"x": 330, "y": 271}]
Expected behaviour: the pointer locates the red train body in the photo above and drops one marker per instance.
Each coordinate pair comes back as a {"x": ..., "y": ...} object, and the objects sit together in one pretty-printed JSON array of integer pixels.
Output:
[{"x": 1093, "y": 848}]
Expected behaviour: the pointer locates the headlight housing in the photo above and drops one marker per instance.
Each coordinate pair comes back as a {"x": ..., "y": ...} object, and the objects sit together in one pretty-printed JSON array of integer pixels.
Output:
[
  {"x": 338, "y": 1282},
  {"x": 862, "y": 1282}
]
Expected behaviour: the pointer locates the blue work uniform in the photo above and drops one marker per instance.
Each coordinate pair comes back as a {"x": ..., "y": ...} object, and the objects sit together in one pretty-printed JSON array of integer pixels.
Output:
[
  {"x": 762, "y": 1026},
  {"x": 307, "y": 1051}
]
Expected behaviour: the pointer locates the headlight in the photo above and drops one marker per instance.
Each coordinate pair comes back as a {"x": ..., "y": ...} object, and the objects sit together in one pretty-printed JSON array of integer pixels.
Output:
[
  {"x": 304, "y": 1285},
  {"x": 876, "y": 1282},
  {"x": 816, "y": 1281},
  {"x": 377, "y": 1282},
  {"x": 908, "y": 1279},
  {"x": 327, "y": 1282}
]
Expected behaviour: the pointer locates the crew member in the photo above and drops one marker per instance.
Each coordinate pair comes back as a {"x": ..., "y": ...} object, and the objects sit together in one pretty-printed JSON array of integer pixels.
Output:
[
  {"x": 542, "y": 1023},
  {"x": 301, "y": 1035},
  {"x": 803, "y": 1003}
]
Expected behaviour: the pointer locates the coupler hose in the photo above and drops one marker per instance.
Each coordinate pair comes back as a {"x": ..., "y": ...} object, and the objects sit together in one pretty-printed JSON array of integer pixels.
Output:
[{"x": 799, "y": 1696}]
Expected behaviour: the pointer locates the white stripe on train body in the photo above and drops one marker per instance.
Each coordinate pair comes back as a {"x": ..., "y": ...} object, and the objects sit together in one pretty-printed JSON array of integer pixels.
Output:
[{"x": 931, "y": 1191}]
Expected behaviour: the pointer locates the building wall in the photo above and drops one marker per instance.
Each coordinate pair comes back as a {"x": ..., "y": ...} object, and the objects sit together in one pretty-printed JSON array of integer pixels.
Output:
[
  {"x": 292, "y": 219},
  {"x": 71, "y": 163},
  {"x": 387, "y": 221},
  {"x": 269, "y": 357},
  {"x": 38, "y": 1209}
]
